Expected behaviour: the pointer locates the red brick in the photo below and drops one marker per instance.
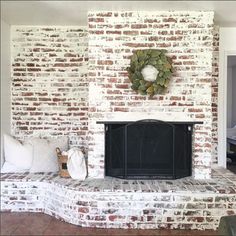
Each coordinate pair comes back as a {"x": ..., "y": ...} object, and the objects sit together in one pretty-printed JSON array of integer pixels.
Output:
[
  {"x": 113, "y": 32},
  {"x": 131, "y": 32},
  {"x": 97, "y": 20},
  {"x": 139, "y": 26}
]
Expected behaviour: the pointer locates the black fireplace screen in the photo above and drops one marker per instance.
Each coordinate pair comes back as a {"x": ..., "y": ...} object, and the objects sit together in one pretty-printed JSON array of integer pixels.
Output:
[{"x": 148, "y": 149}]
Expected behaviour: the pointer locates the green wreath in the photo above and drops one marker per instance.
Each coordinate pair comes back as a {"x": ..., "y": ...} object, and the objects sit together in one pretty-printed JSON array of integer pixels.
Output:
[{"x": 150, "y": 71}]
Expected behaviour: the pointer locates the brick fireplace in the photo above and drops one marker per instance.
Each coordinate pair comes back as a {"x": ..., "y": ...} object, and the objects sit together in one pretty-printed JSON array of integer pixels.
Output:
[
  {"x": 188, "y": 38},
  {"x": 65, "y": 79}
]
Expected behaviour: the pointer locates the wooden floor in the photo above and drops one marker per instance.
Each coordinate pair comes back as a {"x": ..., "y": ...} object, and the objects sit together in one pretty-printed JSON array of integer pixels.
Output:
[{"x": 41, "y": 224}]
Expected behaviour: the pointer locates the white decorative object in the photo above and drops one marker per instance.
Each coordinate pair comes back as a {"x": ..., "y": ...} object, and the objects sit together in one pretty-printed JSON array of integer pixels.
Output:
[
  {"x": 76, "y": 164},
  {"x": 149, "y": 73},
  {"x": 45, "y": 157},
  {"x": 17, "y": 154}
]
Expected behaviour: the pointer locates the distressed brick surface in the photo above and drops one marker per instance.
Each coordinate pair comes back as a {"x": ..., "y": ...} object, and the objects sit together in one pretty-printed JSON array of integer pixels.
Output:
[
  {"x": 49, "y": 82},
  {"x": 188, "y": 38},
  {"x": 114, "y": 203},
  {"x": 215, "y": 81},
  {"x": 64, "y": 79}
]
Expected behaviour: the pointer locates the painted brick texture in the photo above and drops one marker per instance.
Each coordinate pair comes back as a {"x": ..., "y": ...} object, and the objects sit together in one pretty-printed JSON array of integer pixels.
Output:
[
  {"x": 52, "y": 93},
  {"x": 215, "y": 81},
  {"x": 49, "y": 82},
  {"x": 188, "y": 38}
]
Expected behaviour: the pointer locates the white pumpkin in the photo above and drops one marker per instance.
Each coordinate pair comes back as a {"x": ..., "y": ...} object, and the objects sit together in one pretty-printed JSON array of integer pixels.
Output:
[{"x": 149, "y": 73}]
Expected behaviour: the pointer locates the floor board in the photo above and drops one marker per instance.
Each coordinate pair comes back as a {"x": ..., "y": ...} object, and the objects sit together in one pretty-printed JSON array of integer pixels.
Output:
[{"x": 42, "y": 224}]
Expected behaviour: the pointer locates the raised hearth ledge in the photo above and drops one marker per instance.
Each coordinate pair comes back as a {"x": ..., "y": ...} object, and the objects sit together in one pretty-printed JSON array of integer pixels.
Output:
[{"x": 114, "y": 203}]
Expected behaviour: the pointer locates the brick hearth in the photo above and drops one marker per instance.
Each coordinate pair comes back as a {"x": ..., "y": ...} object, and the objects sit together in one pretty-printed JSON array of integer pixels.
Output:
[{"x": 114, "y": 203}]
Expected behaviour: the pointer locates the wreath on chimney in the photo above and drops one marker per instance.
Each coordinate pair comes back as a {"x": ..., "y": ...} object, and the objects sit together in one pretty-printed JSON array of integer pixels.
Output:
[{"x": 150, "y": 71}]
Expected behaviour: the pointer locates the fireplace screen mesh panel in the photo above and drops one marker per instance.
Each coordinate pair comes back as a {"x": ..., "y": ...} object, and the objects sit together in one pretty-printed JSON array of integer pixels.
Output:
[
  {"x": 116, "y": 150},
  {"x": 183, "y": 150},
  {"x": 147, "y": 149}
]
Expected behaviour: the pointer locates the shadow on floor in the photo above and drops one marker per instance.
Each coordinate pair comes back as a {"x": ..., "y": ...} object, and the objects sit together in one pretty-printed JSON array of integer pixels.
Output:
[{"x": 232, "y": 167}]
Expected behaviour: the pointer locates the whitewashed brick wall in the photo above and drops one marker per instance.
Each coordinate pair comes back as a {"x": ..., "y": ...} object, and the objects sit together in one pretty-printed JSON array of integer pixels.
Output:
[
  {"x": 49, "y": 82},
  {"x": 50, "y": 79},
  {"x": 188, "y": 38}
]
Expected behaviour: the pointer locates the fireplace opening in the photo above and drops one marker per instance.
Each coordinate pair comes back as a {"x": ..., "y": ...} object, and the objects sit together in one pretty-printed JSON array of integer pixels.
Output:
[{"x": 148, "y": 149}]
